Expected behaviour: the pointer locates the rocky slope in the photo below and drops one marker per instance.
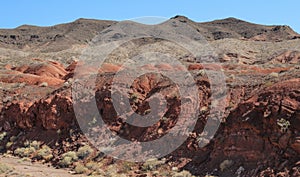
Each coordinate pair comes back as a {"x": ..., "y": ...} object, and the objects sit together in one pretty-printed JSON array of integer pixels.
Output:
[{"x": 259, "y": 134}]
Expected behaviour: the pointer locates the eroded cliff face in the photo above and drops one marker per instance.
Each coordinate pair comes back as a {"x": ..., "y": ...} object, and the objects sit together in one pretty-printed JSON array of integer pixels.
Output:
[{"x": 259, "y": 130}]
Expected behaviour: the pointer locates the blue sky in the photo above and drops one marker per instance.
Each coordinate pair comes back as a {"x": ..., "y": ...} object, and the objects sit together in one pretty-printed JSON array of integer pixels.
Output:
[{"x": 45, "y": 13}]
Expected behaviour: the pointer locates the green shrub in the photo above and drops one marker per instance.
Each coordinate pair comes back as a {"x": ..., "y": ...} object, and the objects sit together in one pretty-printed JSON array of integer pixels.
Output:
[
  {"x": 84, "y": 152},
  {"x": 93, "y": 122},
  {"x": 35, "y": 144},
  {"x": 66, "y": 161},
  {"x": 134, "y": 97},
  {"x": 3, "y": 135},
  {"x": 26, "y": 143},
  {"x": 45, "y": 153},
  {"x": 68, "y": 158},
  {"x": 24, "y": 152},
  {"x": 283, "y": 124},
  {"x": 9, "y": 144}
]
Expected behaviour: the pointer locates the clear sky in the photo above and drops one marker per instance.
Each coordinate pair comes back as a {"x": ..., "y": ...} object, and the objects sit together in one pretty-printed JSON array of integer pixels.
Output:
[{"x": 14, "y": 13}]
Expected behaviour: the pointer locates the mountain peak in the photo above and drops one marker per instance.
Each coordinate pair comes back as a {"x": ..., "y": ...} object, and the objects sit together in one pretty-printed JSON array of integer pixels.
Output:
[{"x": 181, "y": 18}]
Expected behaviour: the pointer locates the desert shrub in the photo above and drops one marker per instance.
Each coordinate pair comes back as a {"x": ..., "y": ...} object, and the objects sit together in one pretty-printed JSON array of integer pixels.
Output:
[
  {"x": 226, "y": 164},
  {"x": 13, "y": 138},
  {"x": 164, "y": 119},
  {"x": 68, "y": 158},
  {"x": 35, "y": 144},
  {"x": 93, "y": 122},
  {"x": 201, "y": 73},
  {"x": 9, "y": 144},
  {"x": 71, "y": 154},
  {"x": 127, "y": 166},
  {"x": 93, "y": 166},
  {"x": 4, "y": 168},
  {"x": 3, "y": 135},
  {"x": 24, "y": 152},
  {"x": 66, "y": 161},
  {"x": 269, "y": 83},
  {"x": 80, "y": 169},
  {"x": 45, "y": 153},
  {"x": 134, "y": 97},
  {"x": 31, "y": 149},
  {"x": 152, "y": 164},
  {"x": 283, "y": 124},
  {"x": 26, "y": 143},
  {"x": 84, "y": 152}
]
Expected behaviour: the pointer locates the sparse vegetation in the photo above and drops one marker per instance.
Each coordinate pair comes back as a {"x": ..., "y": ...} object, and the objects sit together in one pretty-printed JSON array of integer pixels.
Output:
[
  {"x": 4, "y": 168},
  {"x": 84, "y": 152},
  {"x": 35, "y": 144},
  {"x": 248, "y": 71},
  {"x": 24, "y": 152},
  {"x": 9, "y": 144},
  {"x": 68, "y": 158},
  {"x": 93, "y": 121},
  {"x": 164, "y": 119},
  {"x": 226, "y": 164},
  {"x": 283, "y": 124},
  {"x": 2, "y": 136},
  {"x": 93, "y": 166},
  {"x": 152, "y": 164},
  {"x": 45, "y": 153},
  {"x": 13, "y": 138},
  {"x": 80, "y": 169},
  {"x": 269, "y": 83},
  {"x": 30, "y": 149},
  {"x": 127, "y": 166},
  {"x": 134, "y": 97}
]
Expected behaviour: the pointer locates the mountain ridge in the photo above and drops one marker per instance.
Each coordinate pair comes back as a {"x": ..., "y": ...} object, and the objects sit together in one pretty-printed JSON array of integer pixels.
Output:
[{"x": 82, "y": 30}]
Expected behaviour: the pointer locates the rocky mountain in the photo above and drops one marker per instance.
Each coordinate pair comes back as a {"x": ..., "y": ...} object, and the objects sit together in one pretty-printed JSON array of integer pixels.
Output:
[{"x": 81, "y": 31}]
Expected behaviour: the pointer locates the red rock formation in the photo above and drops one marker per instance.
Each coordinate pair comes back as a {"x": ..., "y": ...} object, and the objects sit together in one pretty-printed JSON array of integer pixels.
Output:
[
  {"x": 292, "y": 57},
  {"x": 48, "y": 69},
  {"x": 18, "y": 77},
  {"x": 250, "y": 135}
]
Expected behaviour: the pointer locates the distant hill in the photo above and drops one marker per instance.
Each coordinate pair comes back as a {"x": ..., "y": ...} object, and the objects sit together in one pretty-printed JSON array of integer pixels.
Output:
[
  {"x": 56, "y": 38},
  {"x": 63, "y": 36},
  {"x": 235, "y": 28}
]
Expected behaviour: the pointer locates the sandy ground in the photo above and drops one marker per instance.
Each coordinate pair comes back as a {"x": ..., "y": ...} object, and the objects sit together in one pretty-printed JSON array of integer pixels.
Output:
[{"x": 25, "y": 168}]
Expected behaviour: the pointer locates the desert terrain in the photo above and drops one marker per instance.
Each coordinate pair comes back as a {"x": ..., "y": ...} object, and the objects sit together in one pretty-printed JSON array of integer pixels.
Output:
[{"x": 259, "y": 134}]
